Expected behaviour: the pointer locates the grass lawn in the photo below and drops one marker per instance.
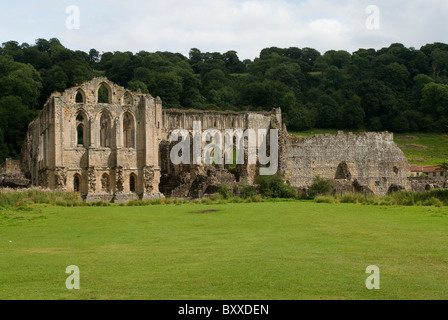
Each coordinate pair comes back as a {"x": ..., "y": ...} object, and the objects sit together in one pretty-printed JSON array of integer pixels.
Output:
[
  {"x": 286, "y": 250},
  {"x": 424, "y": 149}
]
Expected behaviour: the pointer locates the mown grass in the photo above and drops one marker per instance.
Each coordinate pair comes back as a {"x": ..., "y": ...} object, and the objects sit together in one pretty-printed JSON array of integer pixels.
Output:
[{"x": 269, "y": 250}]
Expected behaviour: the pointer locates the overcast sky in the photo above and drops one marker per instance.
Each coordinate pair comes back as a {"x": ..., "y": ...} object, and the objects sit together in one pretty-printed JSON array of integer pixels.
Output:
[{"x": 246, "y": 26}]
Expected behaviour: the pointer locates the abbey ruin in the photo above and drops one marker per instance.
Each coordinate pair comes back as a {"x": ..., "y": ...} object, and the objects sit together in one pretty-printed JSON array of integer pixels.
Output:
[{"x": 111, "y": 144}]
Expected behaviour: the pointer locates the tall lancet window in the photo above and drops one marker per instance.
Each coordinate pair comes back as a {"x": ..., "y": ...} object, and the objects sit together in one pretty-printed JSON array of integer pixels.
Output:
[
  {"x": 105, "y": 128},
  {"x": 81, "y": 128},
  {"x": 128, "y": 131}
]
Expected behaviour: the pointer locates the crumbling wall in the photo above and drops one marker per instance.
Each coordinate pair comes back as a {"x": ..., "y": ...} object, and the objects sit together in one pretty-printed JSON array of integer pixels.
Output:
[
  {"x": 369, "y": 161},
  {"x": 123, "y": 149},
  {"x": 192, "y": 180},
  {"x": 419, "y": 184},
  {"x": 10, "y": 166},
  {"x": 105, "y": 148}
]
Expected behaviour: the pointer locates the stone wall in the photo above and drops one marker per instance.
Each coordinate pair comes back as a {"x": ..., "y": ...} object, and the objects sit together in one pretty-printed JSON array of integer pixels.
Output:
[
  {"x": 191, "y": 180},
  {"x": 10, "y": 166},
  {"x": 371, "y": 161},
  {"x": 101, "y": 148},
  {"x": 419, "y": 184},
  {"x": 119, "y": 149}
]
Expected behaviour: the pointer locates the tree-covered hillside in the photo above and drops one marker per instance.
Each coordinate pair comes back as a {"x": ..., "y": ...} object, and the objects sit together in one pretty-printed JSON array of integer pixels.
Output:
[{"x": 396, "y": 88}]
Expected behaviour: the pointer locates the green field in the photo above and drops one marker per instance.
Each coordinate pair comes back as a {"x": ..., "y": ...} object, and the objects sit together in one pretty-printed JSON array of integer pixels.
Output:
[
  {"x": 423, "y": 149},
  {"x": 286, "y": 250}
]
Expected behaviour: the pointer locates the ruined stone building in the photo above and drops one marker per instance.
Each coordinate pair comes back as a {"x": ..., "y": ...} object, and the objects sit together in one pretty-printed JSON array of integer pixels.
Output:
[
  {"x": 111, "y": 144},
  {"x": 10, "y": 166}
]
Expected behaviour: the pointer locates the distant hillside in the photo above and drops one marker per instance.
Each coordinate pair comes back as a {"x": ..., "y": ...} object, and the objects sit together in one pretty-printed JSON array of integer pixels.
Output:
[
  {"x": 395, "y": 88},
  {"x": 424, "y": 148}
]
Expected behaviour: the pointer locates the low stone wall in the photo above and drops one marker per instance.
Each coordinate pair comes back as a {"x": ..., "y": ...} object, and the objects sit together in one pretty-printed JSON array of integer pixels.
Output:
[
  {"x": 15, "y": 181},
  {"x": 421, "y": 185}
]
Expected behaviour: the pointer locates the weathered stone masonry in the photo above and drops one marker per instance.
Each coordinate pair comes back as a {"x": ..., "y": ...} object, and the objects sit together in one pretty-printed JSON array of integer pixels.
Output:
[
  {"x": 118, "y": 149},
  {"x": 101, "y": 150},
  {"x": 369, "y": 162}
]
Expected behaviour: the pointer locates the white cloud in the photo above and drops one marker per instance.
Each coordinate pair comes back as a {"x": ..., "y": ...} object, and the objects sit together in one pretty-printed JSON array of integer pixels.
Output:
[{"x": 246, "y": 26}]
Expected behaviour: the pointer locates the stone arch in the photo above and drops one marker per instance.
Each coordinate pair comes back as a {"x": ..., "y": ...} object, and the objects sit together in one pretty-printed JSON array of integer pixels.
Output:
[
  {"x": 77, "y": 182},
  {"x": 128, "y": 99},
  {"x": 80, "y": 96},
  {"x": 342, "y": 172},
  {"x": 105, "y": 127},
  {"x": 104, "y": 93},
  {"x": 133, "y": 182},
  {"x": 80, "y": 134},
  {"x": 81, "y": 128},
  {"x": 128, "y": 130},
  {"x": 105, "y": 183}
]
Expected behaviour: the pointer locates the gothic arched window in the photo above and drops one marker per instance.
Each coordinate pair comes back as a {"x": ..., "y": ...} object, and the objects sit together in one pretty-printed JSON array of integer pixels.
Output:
[
  {"x": 79, "y": 97},
  {"x": 104, "y": 94},
  {"x": 105, "y": 128},
  {"x": 128, "y": 100},
  {"x": 77, "y": 183},
  {"x": 132, "y": 183},
  {"x": 105, "y": 184},
  {"x": 128, "y": 131},
  {"x": 81, "y": 126}
]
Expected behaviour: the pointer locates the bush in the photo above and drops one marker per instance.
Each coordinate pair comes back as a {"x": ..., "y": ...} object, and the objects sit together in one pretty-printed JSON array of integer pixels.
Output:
[
  {"x": 433, "y": 201},
  {"x": 257, "y": 198},
  {"x": 347, "y": 198},
  {"x": 325, "y": 199},
  {"x": 17, "y": 198},
  {"x": 320, "y": 187},
  {"x": 274, "y": 187},
  {"x": 248, "y": 191},
  {"x": 207, "y": 201},
  {"x": 225, "y": 192},
  {"x": 403, "y": 198}
]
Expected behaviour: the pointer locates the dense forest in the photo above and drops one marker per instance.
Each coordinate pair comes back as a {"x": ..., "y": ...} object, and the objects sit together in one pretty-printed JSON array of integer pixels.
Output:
[{"x": 396, "y": 88}]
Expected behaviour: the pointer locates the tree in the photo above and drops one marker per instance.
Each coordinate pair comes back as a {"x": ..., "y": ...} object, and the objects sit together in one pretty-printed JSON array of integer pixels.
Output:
[
  {"x": 118, "y": 68},
  {"x": 136, "y": 85},
  {"x": 435, "y": 99},
  {"x": 327, "y": 112},
  {"x": 14, "y": 119},
  {"x": 94, "y": 57},
  {"x": 233, "y": 63},
  {"x": 21, "y": 80},
  {"x": 394, "y": 74},
  {"x": 320, "y": 186},
  {"x": 168, "y": 86}
]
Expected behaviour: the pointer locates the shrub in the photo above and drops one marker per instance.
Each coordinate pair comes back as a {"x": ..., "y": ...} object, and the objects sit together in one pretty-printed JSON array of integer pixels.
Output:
[
  {"x": 17, "y": 198},
  {"x": 433, "y": 201},
  {"x": 225, "y": 192},
  {"x": 235, "y": 200},
  {"x": 207, "y": 201},
  {"x": 257, "y": 198},
  {"x": 248, "y": 191},
  {"x": 325, "y": 199},
  {"x": 403, "y": 198},
  {"x": 274, "y": 187},
  {"x": 320, "y": 186}
]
